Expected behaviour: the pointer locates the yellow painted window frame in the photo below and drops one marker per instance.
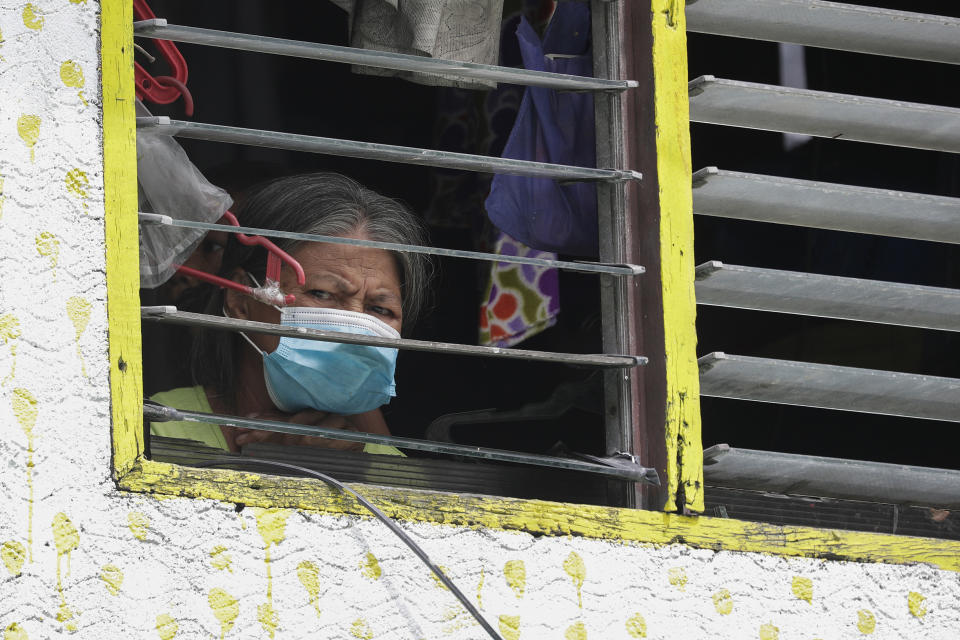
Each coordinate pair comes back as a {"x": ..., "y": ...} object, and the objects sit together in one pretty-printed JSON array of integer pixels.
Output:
[{"x": 132, "y": 472}]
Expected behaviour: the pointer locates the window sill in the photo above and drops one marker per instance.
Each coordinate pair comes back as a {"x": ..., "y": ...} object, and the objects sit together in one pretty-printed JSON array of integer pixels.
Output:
[{"x": 539, "y": 517}]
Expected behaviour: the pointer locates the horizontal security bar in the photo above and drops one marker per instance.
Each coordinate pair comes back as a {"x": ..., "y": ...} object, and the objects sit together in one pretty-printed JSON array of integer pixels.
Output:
[
  {"x": 617, "y": 468},
  {"x": 831, "y": 25},
  {"x": 823, "y": 114},
  {"x": 806, "y": 384},
  {"x": 585, "y": 267},
  {"x": 811, "y": 294},
  {"x": 824, "y": 205},
  {"x": 789, "y": 473},
  {"x": 161, "y": 30},
  {"x": 382, "y": 152},
  {"x": 171, "y": 315}
]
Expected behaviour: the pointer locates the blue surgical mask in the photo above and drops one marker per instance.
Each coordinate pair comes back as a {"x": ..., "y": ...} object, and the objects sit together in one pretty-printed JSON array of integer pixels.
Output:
[{"x": 344, "y": 379}]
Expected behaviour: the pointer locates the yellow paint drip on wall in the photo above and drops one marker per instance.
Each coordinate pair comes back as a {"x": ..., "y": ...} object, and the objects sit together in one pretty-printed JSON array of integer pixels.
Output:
[
  {"x": 915, "y": 604},
  {"x": 112, "y": 578},
  {"x": 576, "y": 631},
  {"x": 25, "y": 408},
  {"x": 272, "y": 525},
  {"x": 723, "y": 602},
  {"x": 677, "y": 577},
  {"x": 360, "y": 629},
  {"x": 66, "y": 539},
  {"x": 437, "y": 581},
  {"x": 637, "y": 626},
  {"x": 769, "y": 632},
  {"x": 370, "y": 567},
  {"x": 28, "y": 126},
  {"x": 78, "y": 310},
  {"x": 139, "y": 524},
  {"x": 866, "y": 621},
  {"x": 802, "y": 588},
  {"x": 510, "y": 627},
  {"x": 309, "y": 577},
  {"x": 167, "y": 627},
  {"x": 48, "y": 246},
  {"x": 577, "y": 571},
  {"x": 77, "y": 182},
  {"x": 515, "y": 573},
  {"x": 480, "y": 589},
  {"x": 9, "y": 330},
  {"x": 225, "y": 609},
  {"x": 72, "y": 76},
  {"x": 220, "y": 559},
  {"x": 32, "y": 19},
  {"x": 13, "y": 555},
  {"x": 15, "y": 632}
]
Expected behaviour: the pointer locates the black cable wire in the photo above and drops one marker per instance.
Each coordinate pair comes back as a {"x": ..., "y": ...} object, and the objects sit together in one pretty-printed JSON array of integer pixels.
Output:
[{"x": 382, "y": 517}]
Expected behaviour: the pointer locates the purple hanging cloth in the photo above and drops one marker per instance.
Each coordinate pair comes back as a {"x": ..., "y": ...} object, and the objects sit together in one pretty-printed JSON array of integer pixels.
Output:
[{"x": 552, "y": 127}]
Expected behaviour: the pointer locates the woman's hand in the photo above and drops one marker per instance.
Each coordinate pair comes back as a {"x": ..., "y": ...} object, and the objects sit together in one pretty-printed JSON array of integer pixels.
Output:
[{"x": 307, "y": 417}]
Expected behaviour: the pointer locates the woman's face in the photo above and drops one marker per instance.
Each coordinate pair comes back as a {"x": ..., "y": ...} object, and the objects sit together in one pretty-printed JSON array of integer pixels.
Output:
[{"x": 345, "y": 277}]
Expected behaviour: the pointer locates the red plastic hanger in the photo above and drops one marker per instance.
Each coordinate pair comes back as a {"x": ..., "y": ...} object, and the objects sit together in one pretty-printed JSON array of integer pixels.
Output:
[
  {"x": 270, "y": 292},
  {"x": 162, "y": 89}
]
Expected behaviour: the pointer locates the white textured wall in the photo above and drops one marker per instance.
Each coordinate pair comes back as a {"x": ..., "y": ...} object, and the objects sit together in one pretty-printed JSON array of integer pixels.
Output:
[{"x": 131, "y": 566}]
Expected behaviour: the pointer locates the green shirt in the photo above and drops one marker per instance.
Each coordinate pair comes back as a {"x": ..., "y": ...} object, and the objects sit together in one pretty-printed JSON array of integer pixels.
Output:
[{"x": 195, "y": 399}]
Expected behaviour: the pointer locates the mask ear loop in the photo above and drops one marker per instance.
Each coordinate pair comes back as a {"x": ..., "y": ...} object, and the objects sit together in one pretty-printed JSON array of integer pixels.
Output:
[{"x": 223, "y": 309}]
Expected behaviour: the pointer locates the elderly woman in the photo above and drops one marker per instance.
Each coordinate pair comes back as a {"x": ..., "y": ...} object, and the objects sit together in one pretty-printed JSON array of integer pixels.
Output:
[{"x": 347, "y": 288}]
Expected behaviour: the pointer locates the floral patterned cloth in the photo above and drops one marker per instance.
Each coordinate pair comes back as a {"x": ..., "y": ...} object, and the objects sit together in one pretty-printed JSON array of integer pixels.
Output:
[{"x": 521, "y": 300}]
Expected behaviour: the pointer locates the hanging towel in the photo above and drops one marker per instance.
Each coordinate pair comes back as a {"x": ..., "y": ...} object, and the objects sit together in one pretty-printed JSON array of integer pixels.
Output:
[
  {"x": 463, "y": 30},
  {"x": 552, "y": 127}
]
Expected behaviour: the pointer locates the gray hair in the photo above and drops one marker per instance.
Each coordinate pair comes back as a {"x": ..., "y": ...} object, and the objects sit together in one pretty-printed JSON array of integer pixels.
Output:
[{"x": 321, "y": 203}]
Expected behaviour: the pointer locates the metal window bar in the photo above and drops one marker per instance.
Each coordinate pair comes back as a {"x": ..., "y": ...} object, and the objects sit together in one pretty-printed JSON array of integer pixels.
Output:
[
  {"x": 171, "y": 315},
  {"x": 161, "y": 30},
  {"x": 811, "y": 294},
  {"x": 824, "y": 114},
  {"x": 831, "y": 25},
  {"x": 623, "y": 468},
  {"x": 584, "y": 267},
  {"x": 382, "y": 152},
  {"x": 824, "y": 205},
  {"x": 824, "y": 386},
  {"x": 789, "y": 473}
]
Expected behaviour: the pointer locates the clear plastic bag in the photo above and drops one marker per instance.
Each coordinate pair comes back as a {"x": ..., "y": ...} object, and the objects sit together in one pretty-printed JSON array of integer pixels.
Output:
[{"x": 169, "y": 184}]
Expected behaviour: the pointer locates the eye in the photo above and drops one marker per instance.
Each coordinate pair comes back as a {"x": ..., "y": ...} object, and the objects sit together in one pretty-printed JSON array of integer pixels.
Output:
[
  {"x": 382, "y": 311},
  {"x": 320, "y": 294}
]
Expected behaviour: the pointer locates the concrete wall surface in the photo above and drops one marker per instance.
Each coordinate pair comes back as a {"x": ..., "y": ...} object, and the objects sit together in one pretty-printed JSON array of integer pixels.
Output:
[{"x": 81, "y": 558}]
